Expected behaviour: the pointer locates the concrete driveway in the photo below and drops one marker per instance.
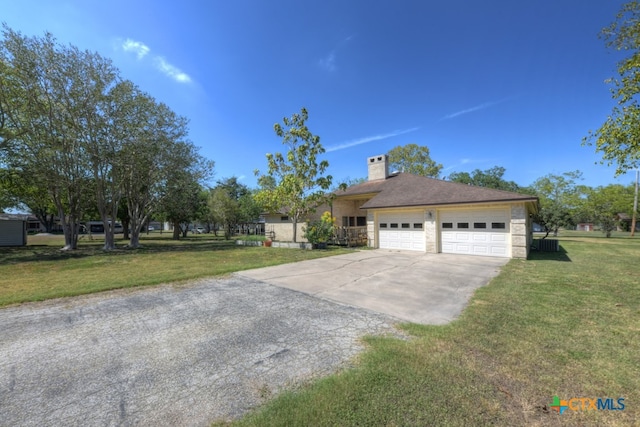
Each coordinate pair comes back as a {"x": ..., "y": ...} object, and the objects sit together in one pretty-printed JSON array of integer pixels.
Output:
[{"x": 411, "y": 286}]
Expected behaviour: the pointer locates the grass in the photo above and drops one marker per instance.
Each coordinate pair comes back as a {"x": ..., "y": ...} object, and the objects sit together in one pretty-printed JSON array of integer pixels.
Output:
[
  {"x": 41, "y": 271},
  {"x": 564, "y": 324}
]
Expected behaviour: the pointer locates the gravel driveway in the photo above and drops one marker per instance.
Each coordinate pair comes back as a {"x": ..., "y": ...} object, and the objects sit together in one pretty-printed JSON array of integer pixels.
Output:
[{"x": 169, "y": 355}]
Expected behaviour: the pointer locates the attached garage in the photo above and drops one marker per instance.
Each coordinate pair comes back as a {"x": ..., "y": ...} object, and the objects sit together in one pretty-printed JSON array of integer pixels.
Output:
[
  {"x": 476, "y": 232},
  {"x": 402, "y": 231}
]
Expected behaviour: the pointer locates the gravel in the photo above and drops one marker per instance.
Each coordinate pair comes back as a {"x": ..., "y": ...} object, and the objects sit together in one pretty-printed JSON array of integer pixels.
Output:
[{"x": 170, "y": 355}]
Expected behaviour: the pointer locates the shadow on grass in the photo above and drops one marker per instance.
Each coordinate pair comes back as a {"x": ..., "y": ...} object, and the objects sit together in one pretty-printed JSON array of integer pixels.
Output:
[
  {"x": 560, "y": 255},
  {"x": 149, "y": 245}
]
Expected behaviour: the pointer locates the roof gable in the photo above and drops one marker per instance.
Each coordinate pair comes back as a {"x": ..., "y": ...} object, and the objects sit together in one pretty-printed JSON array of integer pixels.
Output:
[{"x": 403, "y": 190}]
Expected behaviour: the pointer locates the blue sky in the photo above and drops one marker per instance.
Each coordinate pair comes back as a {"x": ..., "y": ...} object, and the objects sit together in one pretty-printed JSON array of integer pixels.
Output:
[{"x": 494, "y": 83}]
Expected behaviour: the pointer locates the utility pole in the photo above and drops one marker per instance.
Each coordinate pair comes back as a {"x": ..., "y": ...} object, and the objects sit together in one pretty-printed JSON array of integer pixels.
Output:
[{"x": 635, "y": 207}]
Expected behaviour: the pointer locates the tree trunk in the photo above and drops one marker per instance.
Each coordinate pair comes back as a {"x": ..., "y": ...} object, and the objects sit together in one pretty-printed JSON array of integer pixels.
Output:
[
  {"x": 176, "y": 230},
  {"x": 70, "y": 228},
  {"x": 125, "y": 228},
  {"x": 295, "y": 229}
]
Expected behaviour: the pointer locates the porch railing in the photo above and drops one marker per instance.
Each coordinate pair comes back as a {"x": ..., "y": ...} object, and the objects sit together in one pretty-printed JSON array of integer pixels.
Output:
[{"x": 350, "y": 236}]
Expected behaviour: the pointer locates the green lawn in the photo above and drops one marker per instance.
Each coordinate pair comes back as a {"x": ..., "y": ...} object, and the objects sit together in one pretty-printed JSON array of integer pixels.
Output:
[
  {"x": 41, "y": 271},
  {"x": 565, "y": 324}
]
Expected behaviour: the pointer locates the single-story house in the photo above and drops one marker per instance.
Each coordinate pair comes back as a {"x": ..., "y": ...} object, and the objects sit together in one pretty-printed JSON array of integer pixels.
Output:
[
  {"x": 411, "y": 212},
  {"x": 13, "y": 230},
  {"x": 584, "y": 226}
]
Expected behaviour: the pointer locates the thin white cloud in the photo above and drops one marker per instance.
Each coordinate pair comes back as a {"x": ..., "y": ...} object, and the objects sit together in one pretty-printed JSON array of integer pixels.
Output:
[
  {"x": 140, "y": 49},
  {"x": 170, "y": 70},
  {"x": 329, "y": 62},
  {"x": 472, "y": 109},
  {"x": 465, "y": 161},
  {"x": 160, "y": 63},
  {"x": 369, "y": 139}
]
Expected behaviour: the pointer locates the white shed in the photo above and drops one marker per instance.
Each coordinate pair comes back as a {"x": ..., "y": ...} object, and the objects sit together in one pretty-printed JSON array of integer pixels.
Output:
[{"x": 13, "y": 230}]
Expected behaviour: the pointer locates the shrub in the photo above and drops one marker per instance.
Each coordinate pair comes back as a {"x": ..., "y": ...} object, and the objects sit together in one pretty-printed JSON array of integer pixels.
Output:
[{"x": 320, "y": 230}]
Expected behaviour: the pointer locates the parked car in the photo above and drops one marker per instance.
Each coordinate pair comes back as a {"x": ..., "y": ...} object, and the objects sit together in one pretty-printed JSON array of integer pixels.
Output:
[
  {"x": 150, "y": 228},
  {"x": 199, "y": 230}
]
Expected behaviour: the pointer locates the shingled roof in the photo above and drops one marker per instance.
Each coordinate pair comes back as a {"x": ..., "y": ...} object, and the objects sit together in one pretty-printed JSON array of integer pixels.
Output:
[{"x": 403, "y": 190}]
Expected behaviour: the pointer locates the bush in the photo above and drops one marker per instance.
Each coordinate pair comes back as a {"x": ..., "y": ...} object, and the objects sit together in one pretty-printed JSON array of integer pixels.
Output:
[{"x": 320, "y": 230}]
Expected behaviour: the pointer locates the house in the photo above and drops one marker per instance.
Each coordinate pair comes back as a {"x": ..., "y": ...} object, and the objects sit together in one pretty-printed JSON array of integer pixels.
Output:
[
  {"x": 411, "y": 212},
  {"x": 13, "y": 230},
  {"x": 584, "y": 226}
]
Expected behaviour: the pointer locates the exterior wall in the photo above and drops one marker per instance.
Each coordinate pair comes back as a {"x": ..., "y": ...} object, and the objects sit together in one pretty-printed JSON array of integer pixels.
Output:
[
  {"x": 283, "y": 231},
  {"x": 342, "y": 208},
  {"x": 520, "y": 226},
  {"x": 13, "y": 233},
  {"x": 431, "y": 231},
  {"x": 372, "y": 236}
]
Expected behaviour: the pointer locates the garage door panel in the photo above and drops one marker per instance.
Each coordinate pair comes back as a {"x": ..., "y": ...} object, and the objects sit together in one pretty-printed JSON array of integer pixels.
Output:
[
  {"x": 408, "y": 238},
  {"x": 465, "y": 233}
]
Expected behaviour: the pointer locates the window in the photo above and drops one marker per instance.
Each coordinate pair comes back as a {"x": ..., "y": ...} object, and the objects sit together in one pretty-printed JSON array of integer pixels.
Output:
[
  {"x": 417, "y": 225},
  {"x": 498, "y": 225},
  {"x": 393, "y": 225},
  {"x": 479, "y": 225},
  {"x": 345, "y": 221},
  {"x": 447, "y": 225},
  {"x": 284, "y": 218},
  {"x": 361, "y": 221},
  {"x": 383, "y": 225},
  {"x": 463, "y": 225},
  {"x": 406, "y": 225}
]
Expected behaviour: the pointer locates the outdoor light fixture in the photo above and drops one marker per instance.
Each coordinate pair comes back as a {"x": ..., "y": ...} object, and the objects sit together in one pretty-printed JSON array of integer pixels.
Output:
[{"x": 430, "y": 215}]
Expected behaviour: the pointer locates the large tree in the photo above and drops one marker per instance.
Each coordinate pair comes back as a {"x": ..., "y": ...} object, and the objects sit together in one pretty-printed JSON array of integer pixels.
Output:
[
  {"x": 559, "y": 198},
  {"x": 47, "y": 95},
  {"x": 415, "y": 159},
  {"x": 299, "y": 176},
  {"x": 490, "y": 178},
  {"x": 618, "y": 139},
  {"x": 232, "y": 203}
]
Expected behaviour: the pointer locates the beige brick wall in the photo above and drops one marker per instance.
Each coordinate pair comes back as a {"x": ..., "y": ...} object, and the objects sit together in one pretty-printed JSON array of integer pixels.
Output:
[
  {"x": 519, "y": 231},
  {"x": 431, "y": 232},
  {"x": 371, "y": 230},
  {"x": 283, "y": 230}
]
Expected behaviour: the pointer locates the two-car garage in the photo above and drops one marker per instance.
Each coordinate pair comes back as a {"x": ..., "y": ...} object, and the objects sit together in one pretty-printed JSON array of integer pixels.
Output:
[{"x": 461, "y": 231}]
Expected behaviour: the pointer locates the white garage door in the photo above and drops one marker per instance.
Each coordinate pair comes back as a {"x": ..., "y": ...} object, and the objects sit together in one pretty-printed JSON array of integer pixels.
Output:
[
  {"x": 402, "y": 231},
  {"x": 476, "y": 232}
]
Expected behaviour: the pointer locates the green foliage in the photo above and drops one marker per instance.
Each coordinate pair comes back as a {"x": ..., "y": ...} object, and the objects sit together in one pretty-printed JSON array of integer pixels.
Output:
[
  {"x": 490, "y": 178},
  {"x": 76, "y": 136},
  {"x": 232, "y": 203},
  {"x": 295, "y": 183},
  {"x": 602, "y": 204},
  {"x": 618, "y": 139},
  {"x": 559, "y": 199},
  {"x": 414, "y": 159},
  {"x": 321, "y": 230}
]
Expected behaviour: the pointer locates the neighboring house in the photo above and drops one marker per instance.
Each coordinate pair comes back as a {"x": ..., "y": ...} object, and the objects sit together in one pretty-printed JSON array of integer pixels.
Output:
[
  {"x": 623, "y": 222},
  {"x": 411, "y": 212},
  {"x": 13, "y": 230},
  {"x": 584, "y": 226}
]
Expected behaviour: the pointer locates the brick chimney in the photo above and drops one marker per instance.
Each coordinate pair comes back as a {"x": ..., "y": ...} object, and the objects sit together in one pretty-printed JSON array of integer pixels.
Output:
[{"x": 378, "y": 167}]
